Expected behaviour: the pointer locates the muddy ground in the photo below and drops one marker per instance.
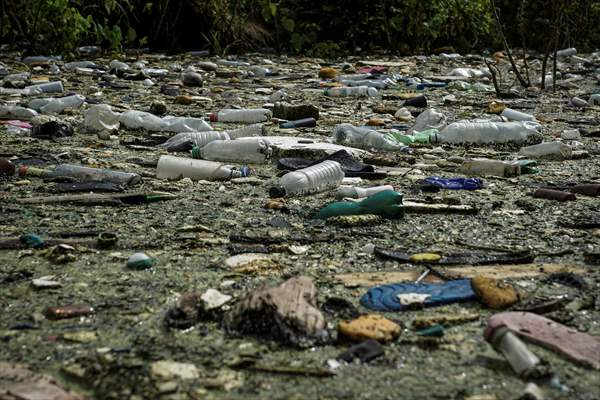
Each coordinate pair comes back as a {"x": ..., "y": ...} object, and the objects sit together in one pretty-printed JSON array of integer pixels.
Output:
[{"x": 109, "y": 354}]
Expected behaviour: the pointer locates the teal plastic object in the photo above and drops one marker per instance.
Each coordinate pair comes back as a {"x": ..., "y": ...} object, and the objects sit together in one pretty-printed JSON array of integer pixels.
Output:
[
  {"x": 387, "y": 204},
  {"x": 418, "y": 137},
  {"x": 31, "y": 240}
]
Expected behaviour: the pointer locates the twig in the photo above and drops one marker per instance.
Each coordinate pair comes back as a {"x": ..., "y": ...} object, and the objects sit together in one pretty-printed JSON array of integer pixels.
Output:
[
  {"x": 522, "y": 81},
  {"x": 494, "y": 80}
]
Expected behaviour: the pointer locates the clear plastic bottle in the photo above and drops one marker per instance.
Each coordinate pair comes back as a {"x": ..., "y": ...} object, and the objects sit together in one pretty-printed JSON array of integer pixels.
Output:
[
  {"x": 170, "y": 167},
  {"x": 470, "y": 132},
  {"x": 377, "y": 84},
  {"x": 354, "y": 192},
  {"x": 514, "y": 115},
  {"x": 248, "y": 116},
  {"x": 317, "y": 178},
  {"x": 141, "y": 119},
  {"x": 251, "y": 150},
  {"x": 57, "y": 104},
  {"x": 185, "y": 124},
  {"x": 50, "y": 87},
  {"x": 571, "y": 51},
  {"x": 355, "y": 91},
  {"x": 247, "y": 131},
  {"x": 364, "y": 137},
  {"x": 552, "y": 150},
  {"x": 101, "y": 117},
  {"x": 16, "y": 112},
  {"x": 185, "y": 141},
  {"x": 429, "y": 119},
  {"x": 81, "y": 173},
  {"x": 486, "y": 167}
]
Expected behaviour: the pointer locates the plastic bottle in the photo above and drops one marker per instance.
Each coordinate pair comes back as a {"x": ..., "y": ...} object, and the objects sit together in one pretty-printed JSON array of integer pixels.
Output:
[
  {"x": 249, "y": 116},
  {"x": 317, "y": 178},
  {"x": 354, "y": 192},
  {"x": 251, "y": 150},
  {"x": 141, "y": 119},
  {"x": 463, "y": 132},
  {"x": 16, "y": 112},
  {"x": 514, "y": 350},
  {"x": 57, "y": 105},
  {"x": 594, "y": 100},
  {"x": 387, "y": 204},
  {"x": 571, "y": 51},
  {"x": 81, "y": 173},
  {"x": 299, "y": 123},
  {"x": 514, "y": 115},
  {"x": 232, "y": 63},
  {"x": 247, "y": 131},
  {"x": 356, "y": 91},
  {"x": 378, "y": 84},
  {"x": 101, "y": 117},
  {"x": 185, "y": 141},
  {"x": 485, "y": 167},
  {"x": 423, "y": 137},
  {"x": 50, "y": 87},
  {"x": 353, "y": 77},
  {"x": 185, "y": 124},
  {"x": 79, "y": 64},
  {"x": 364, "y": 137},
  {"x": 170, "y": 167},
  {"x": 429, "y": 119},
  {"x": 552, "y": 150}
]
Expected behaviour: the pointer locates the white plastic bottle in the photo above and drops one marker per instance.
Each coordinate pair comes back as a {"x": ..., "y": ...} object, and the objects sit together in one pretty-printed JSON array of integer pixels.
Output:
[
  {"x": 364, "y": 138},
  {"x": 101, "y": 117},
  {"x": 57, "y": 104},
  {"x": 552, "y": 150},
  {"x": 251, "y": 150},
  {"x": 248, "y": 116},
  {"x": 355, "y": 91},
  {"x": 514, "y": 350},
  {"x": 354, "y": 192},
  {"x": 185, "y": 141},
  {"x": 469, "y": 132},
  {"x": 486, "y": 167},
  {"x": 317, "y": 178},
  {"x": 170, "y": 167},
  {"x": 514, "y": 115}
]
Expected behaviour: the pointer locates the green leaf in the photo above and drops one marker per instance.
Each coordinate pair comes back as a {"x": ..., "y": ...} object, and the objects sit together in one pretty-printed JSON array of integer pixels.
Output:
[{"x": 288, "y": 24}]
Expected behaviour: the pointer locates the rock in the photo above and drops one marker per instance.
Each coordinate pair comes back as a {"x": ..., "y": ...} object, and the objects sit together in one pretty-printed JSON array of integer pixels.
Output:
[
  {"x": 376, "y": 122},
  {"x": 213, "y": 299},
  {"x": 80, "y": 337},
  {"x": 167, "y": 370},
  {"x": 287, "y": 313},
  {"x": 18, "y": 382},
  {"x": 253, "y": 263},
  {"x": 158, "y": 108},
  {"x": 494, "y": 293},
  {"x": 140, "y": 261},
  {"x": 371, "y": 326},
  {"x": 7, "y": 168},
  {"x": 207, "y": 66},
  {"x": 52, "y": 130},
  {"x": 428, "y": 320},
  {"x": 327, "y": 73},
  {"x": 192, "y": 78},
  {"x": 347, "y": 221}
]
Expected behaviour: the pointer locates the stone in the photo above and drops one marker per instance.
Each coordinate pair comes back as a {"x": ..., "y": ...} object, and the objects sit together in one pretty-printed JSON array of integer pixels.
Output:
[
  {"x": 212, "y": 299},
  {"x": 17, "y": 381},
  {"x": 184, "y": 100},
  {"x": 371, "y": 326},
  {"x": 494, "y": 293},
  {"x": 292, "y": 112},
  {"x": 192, "y": 78},
  {"x": 287, "y": 313},
  {"x": 167, "y": 370},
  {"x": 158, "y": 108}
]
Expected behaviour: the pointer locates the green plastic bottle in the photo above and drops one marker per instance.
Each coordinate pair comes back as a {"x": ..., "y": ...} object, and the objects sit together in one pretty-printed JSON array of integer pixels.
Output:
[{"x": 387, "y": 204}]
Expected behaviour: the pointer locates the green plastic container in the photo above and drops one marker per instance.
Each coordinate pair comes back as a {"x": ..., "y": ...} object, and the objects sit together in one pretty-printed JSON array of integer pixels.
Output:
[{"x": 387, "y": 204}]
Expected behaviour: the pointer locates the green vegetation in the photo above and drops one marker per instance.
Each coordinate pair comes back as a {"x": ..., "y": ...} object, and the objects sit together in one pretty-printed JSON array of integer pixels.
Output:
[{"x": 316, "y": 28}]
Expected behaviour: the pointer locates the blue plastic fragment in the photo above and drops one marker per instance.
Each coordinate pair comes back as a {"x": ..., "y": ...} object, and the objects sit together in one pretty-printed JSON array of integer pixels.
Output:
[
  {"x": 455, "y": 183},
  {"x": 385, "y": 297}
]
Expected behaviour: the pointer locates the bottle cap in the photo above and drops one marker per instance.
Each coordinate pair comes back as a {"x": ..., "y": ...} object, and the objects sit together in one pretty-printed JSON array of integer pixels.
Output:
[
  {"x": 196, "y": 152},
  {"x": 277, "y": 191}
]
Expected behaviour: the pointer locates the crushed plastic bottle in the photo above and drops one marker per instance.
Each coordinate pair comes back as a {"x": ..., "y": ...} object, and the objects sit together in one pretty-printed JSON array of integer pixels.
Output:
[
  {"x": 354, "y": 192},
  {"x": 514, "y": 115},
  {"x": 364, "y": 138},
  {"x": 249, "y": 150},
  {"x": 317, "y": 178},
  {"x": 84, "y": 174},
  {"x": 57, "y": 105},
  {"x": 248, "y": 116},
  {"x": 185, "y": 141},
  {"x": 550, "y": 150},
  {"x": 355, "y": 91},
  {"x": 170, "y": 167},
  {"x": 485, "y": 167},
  {"x": 429, "y": 119},
  {"x": 101, "y": 117},
  {"x": 16, "y": 112}
]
